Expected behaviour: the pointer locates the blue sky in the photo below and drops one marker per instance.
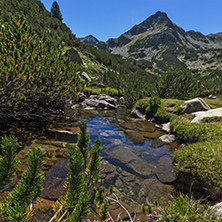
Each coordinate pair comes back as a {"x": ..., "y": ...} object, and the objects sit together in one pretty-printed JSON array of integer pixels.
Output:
[{"x": 106, "y": 19}]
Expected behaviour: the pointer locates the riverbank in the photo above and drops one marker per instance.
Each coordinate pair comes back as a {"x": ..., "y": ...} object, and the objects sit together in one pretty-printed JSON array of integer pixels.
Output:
[{"x": 198, "y": 160}]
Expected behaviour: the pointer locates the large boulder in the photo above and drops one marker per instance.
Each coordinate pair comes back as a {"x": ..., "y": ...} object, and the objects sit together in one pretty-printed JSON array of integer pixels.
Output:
[
  {"x": 194, "y": 105},
  {"x": 74, "y": 55},
  {"x": 209, "y": 113}
]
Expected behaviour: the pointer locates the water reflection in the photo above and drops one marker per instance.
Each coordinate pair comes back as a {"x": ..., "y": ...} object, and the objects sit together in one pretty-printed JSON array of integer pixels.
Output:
[{"x": 134, "y": 160}]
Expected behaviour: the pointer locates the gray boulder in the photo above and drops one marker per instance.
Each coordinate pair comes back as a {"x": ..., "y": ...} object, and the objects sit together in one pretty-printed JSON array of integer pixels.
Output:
[
  {"x": 100, "y": 102},
  {"x": 108, "y": 99},
  {"x": 74, "y": 55},
  {"x": 194, "y": 105},
  {"x": 217, "y": 209},
  {"x": 166, "y": 127}
]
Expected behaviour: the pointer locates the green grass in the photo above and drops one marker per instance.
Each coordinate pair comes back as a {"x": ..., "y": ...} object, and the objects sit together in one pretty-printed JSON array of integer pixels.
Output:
[
  {"x": 212, "y": 119},
  {"x": 194, "y": 132},
  {"x": 185, "y": 208},
  {"x": 97, "y": 91},
  {"x": 202, "y": 160},
  {"x": 202, "y": 156}
]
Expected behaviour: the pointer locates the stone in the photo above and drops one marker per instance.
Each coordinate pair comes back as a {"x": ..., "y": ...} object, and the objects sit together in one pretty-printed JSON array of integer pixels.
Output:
[
  {"x": 166, "y": 127},
  {"x": 137, "y": 114},
  {"x": 75, "y": 106},
  {"x": 100, "y": 102},
  {"x": 168, "y": 138},
  {"x": 62, "y": 135},
  {"x": 209, "y": 113},
  {"x": 194, "y": 105},
  {"x": 212, "y": 97},
  {"x": 74, "y": 55},
  {"x": 85, "y": 76},
  {"x": 135, "y": 137},
  {"x": 217, "y": 209}
]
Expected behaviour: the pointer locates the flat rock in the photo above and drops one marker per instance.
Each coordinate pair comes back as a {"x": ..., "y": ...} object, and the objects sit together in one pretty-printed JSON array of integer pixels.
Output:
[
  {"x": 101, "y": 101},
  {"x": 209, "y": 113}
]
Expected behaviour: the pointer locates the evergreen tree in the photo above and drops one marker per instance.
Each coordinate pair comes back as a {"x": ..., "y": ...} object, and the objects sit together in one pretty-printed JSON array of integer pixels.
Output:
[{"x": 55, "y": 11}]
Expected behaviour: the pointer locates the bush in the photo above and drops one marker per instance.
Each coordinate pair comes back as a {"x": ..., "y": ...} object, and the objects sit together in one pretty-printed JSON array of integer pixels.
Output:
[
  {"x": 179, "y": 84},
  {"x": 154, "y": 104}
]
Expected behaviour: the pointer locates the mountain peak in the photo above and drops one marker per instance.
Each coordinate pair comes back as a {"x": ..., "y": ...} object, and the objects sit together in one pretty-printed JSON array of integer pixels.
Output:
[
  {"x": 90, "y": 39},
  {"x": 159, "y": 19}
]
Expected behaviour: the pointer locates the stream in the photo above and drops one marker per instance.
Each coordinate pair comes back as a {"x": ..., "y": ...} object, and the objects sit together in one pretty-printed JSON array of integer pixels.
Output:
[{"x": 133, "y": 159}]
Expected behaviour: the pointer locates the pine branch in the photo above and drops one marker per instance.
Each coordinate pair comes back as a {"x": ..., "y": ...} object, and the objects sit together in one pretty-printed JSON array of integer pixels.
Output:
[
  {"x": 76, "y": 177},
  {"x": 8, "y": 162},
  {"x": 30, "y": 186},
  {"x": 82, "y": 208},
  {"x": 94, "y": 164},
  {"x": 83, "y": 140}
]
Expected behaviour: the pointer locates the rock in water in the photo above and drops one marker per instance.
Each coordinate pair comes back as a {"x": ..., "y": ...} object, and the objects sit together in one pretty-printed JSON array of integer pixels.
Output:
[{"x": 137, "y": 114}]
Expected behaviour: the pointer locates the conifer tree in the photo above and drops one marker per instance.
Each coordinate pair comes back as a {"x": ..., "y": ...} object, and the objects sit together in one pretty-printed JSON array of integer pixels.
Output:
[{"x": 55, "y": 11}]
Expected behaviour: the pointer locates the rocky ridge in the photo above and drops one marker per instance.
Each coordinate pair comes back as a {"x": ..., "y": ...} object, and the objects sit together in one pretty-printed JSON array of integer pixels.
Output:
[{"x": 158, "y": 38}]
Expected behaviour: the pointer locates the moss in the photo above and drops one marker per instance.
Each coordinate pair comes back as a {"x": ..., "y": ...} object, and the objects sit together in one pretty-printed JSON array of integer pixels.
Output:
[{"x": 162, "y": 115}]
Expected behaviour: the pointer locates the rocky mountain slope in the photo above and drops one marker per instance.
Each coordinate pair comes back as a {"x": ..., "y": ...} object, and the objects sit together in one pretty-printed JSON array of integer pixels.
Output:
[{"x": 160, "y": 41}]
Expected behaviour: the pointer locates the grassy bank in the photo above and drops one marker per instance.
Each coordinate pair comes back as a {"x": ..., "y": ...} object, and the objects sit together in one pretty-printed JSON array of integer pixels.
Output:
[{"x": 200, "y": 156}]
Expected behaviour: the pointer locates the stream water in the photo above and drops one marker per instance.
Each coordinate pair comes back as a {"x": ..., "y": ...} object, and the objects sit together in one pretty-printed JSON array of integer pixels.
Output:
[{"x": 133, "y": 159}]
